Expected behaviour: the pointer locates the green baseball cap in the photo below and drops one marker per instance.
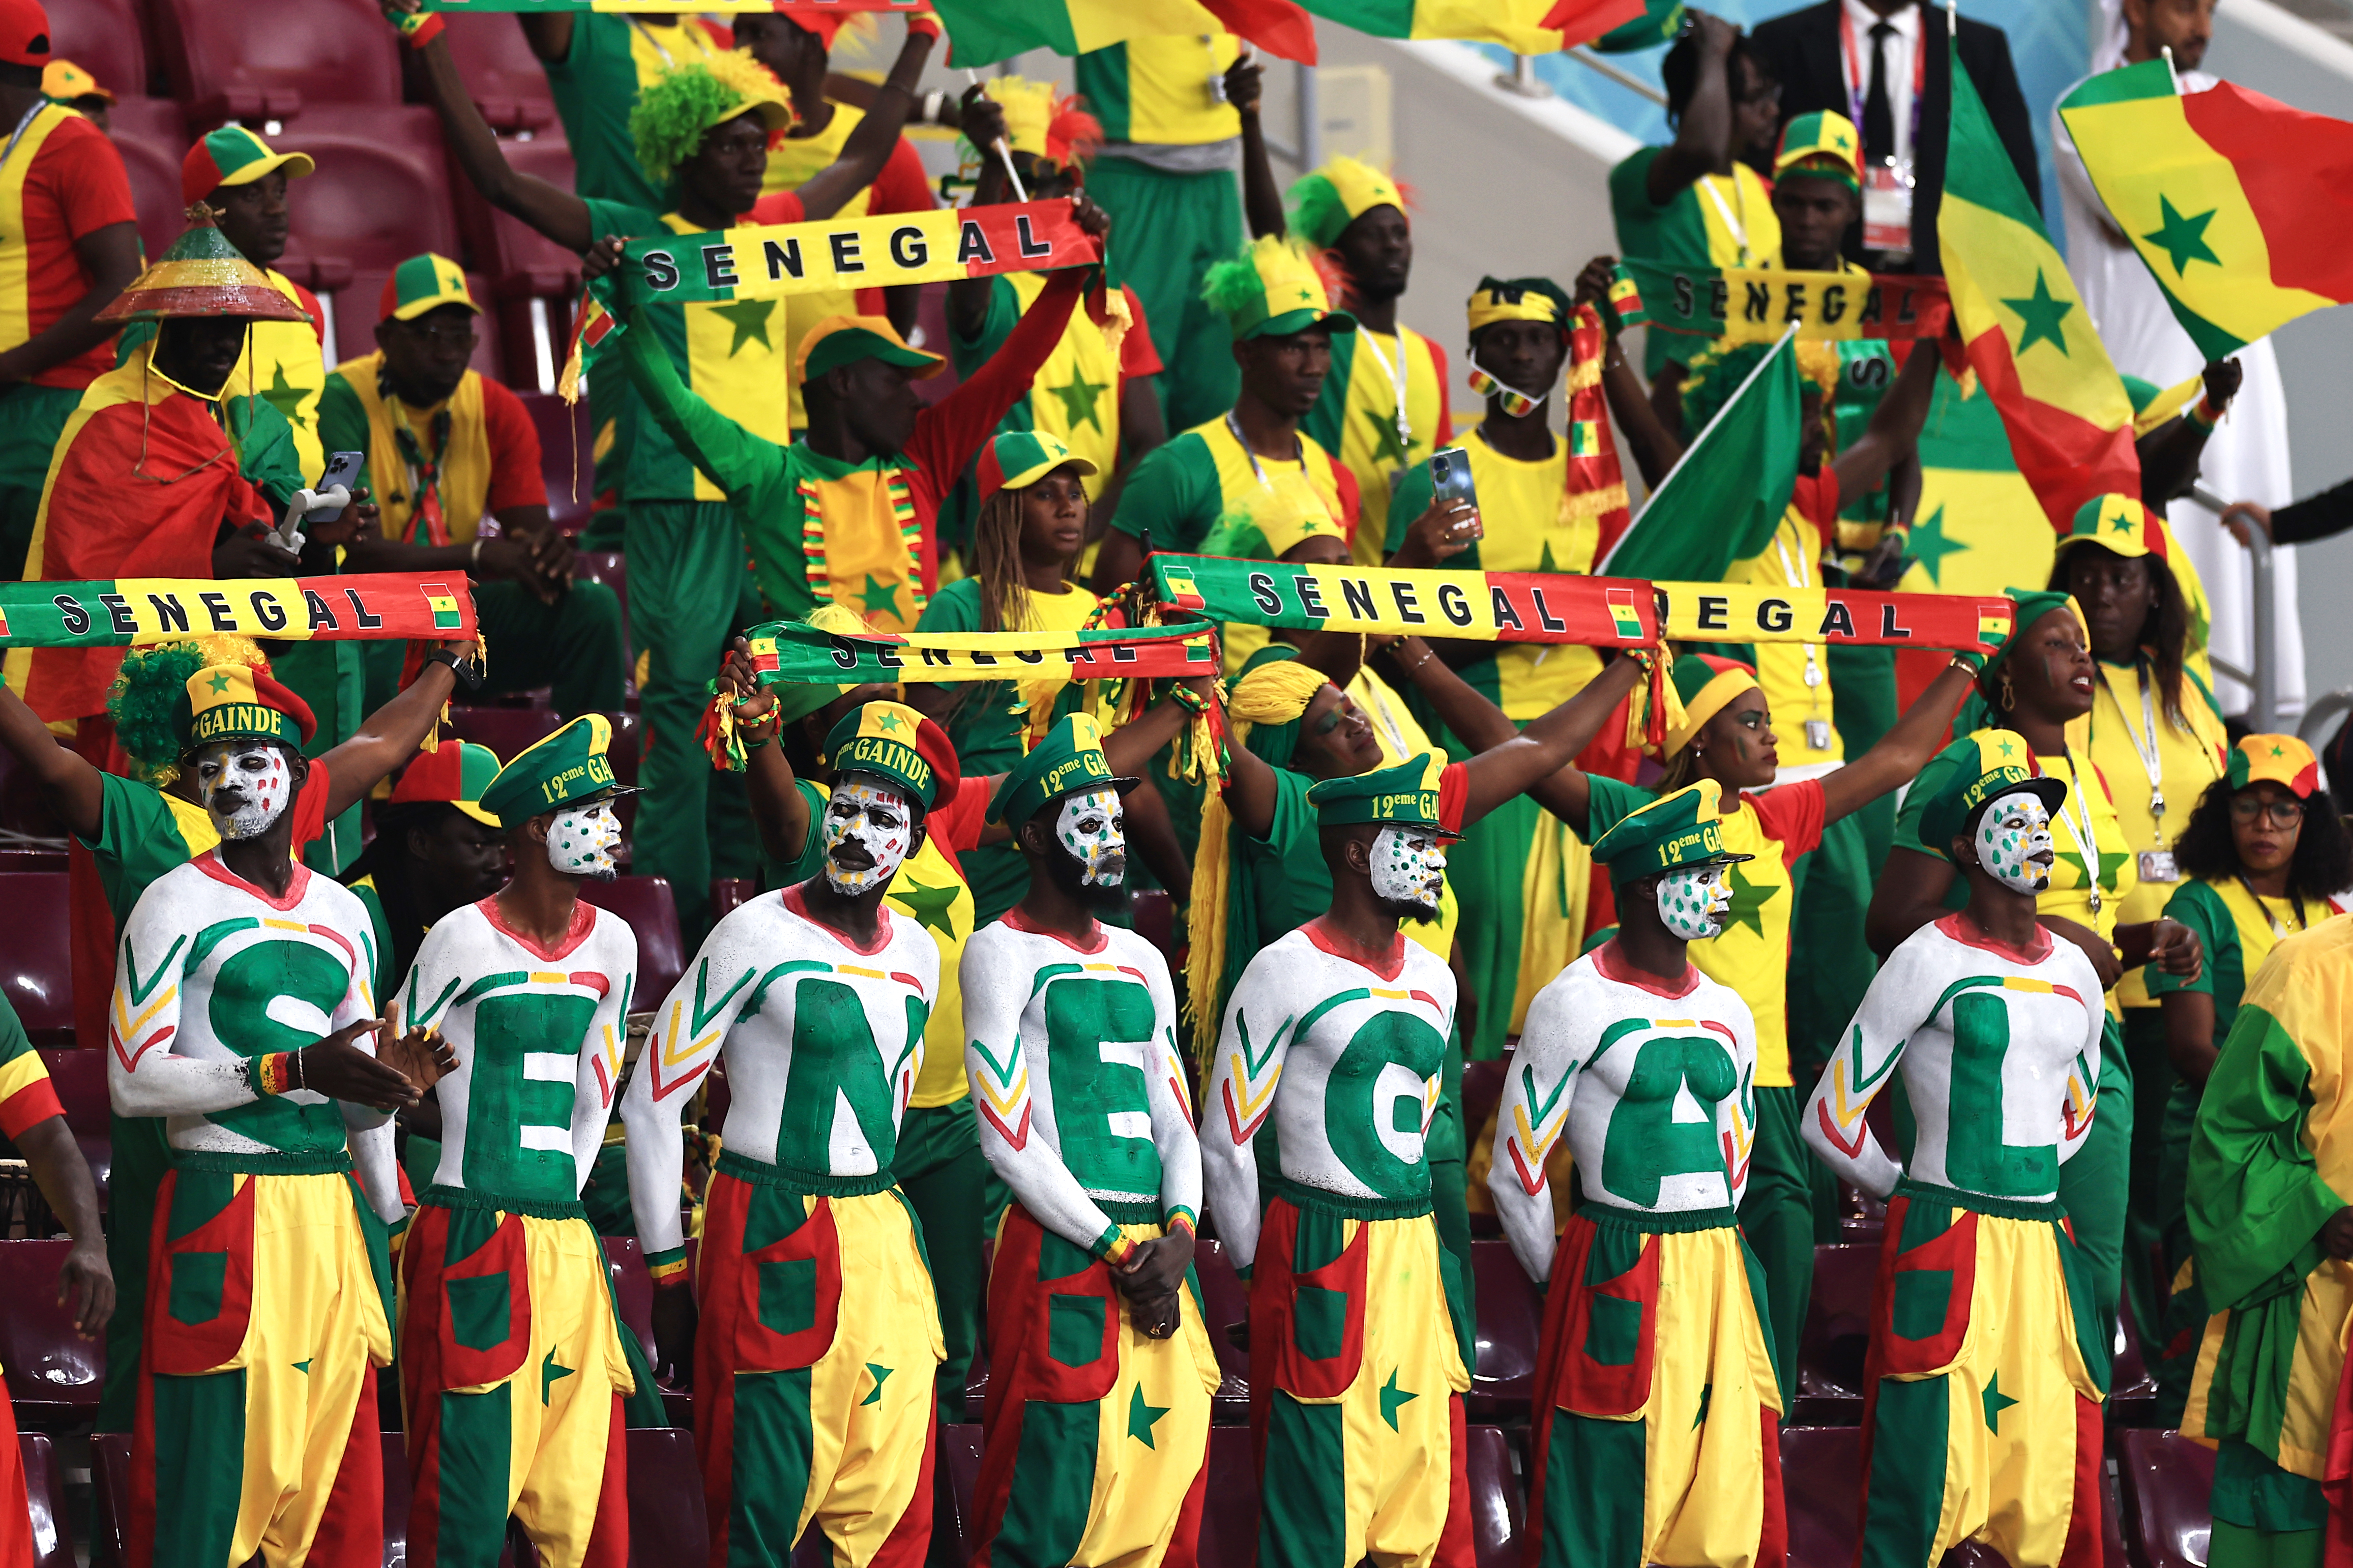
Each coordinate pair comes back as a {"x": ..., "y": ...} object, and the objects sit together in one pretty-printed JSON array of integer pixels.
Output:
[
  {"x": 569, "y": 768},
  {"x": 1272, "y": 290},
  {"x": 1069, "y": 761},
  {"x": 1823, "y": 142},
  {"x": 424, "y": 283},
  {"x": 2003, "y": 764},
  {"x": 1685, "y": 829},
  {"x": 845, "y": 339},
  {"x": 1410, "y": 794},
  {"x": 898, "y": 746}
]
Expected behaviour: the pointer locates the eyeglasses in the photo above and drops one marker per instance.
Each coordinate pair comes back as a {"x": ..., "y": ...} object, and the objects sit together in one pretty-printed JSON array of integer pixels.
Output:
[
  {"x": 2283, "y": 813},
  {"x": 444, "y": 337}
]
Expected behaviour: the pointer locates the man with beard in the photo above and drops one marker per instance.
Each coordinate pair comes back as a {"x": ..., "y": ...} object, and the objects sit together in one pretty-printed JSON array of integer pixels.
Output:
[
  {"x": 243, "y": 1012},
  {"x": 1357, "y": 1328},
  {"x": 813, "y": 1370},
  {"x": 514, "y": 1390},
  {"x": 1093, "y": 1452}
]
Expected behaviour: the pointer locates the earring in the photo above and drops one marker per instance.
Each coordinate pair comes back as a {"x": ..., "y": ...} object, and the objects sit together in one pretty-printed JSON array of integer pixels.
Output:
[{"x": 2009, "y": 693}]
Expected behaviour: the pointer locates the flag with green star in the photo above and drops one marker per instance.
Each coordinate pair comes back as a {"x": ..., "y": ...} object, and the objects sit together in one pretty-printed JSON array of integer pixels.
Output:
[
  {"x": 2030, "y": 339},
  {"x": 2231, "y": 199}
]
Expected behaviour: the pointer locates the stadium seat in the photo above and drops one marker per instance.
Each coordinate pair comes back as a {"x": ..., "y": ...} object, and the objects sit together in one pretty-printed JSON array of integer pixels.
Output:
[
  {"x": 1156, "y": 921},
  {"x": 509, "y": 732},
  {"x": 45, "y": 1489},
  {"x": 647, "y": 904},
  {"x": 1837, "y": 1333},
  {"x": 2166, "y": 1479},
  {"x": 666, "y": 1520},
  {"x": 103, "y": 38},
  {"x": 34, "y": 968},
  {"x": 1862, "y": 1218},
  {"x": 2132, "y": 1387},
  {"x": 23, "y": 808},
  {"x": 633, "y": 1287},
  {"x": 564, "y": 460},
  {"x": 109, "y": 1473},
  {"x": 628, "y": 743},
  {"x": 79, "y": 1079},
  {"x": 1822, "y": 1485},
  {"x": 1483, "y": 1092},
  {"x": 533, "y": 281},
  {"x": 1494, "y": 1497},
  {"x": 1224, "y": 1305},
  {"x": 381, "y": 191},
  {"x": 1230, "y": 1509},
  {"x": 501, "y": 75},
  {"x": 1510, "y": 1317},
  {"x": 54, "y": 1374},
  {"x": 728, "y": 894},
  {"x": 273, "y": 62},
  {"x": 396, "y": 1493}
]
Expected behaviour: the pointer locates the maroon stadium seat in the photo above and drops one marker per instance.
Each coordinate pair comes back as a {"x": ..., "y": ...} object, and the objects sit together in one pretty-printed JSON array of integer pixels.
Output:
[
  {"x": 1230, "y": 1509},
  {"x": 2132, "y": 1387},
  {"x": 957, "y": 1479},
  {"x": 396, "y": 1489},
  {"x": 728, "y": 894},
  {"x": 34, "y": 968},
  {"x": 1155, "y": 915},
  {"x": 605, "y": 566},
  {"x": 2167, "y": 1480},
  {"x": 632, "y": 1286},
  {"x": 1510, "y": 1317},
  {"x": 647, "y": 904},
  {"x": 533, "y": 281},
  {"x": 1837, "y": 1333},
  {"x": 380, "y": 193},
  {"x": 1483, "y": 1092},
  {"x": 54, "y": 1374},
  {"x": 1494, "y": 1497},
  {"x": 45, "y": 1489},
  {"x": 272, "y": 62},
  {"x": 565, "y": 462},
  {"x": 103, "y": 38},
  {"x": 501, "y": 75},
  {"x": 1224, "y": 1305},
  {"x": 666, "y": 1520},
  {"x": 1822, "y": 1487},
  {"x": 80, "y": 1078},
  {"x": 152, "y": 134},
  {"x": 509, "y": 732}
]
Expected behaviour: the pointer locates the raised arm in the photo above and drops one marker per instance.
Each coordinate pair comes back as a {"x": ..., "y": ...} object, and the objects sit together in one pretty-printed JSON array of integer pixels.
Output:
[
  {"x": 1895, "y": 427},
  {"x": 1250, "y": 1049},
  {"x": 1656, "y": 446},
  {"x": 1704, "y": 133},
  {"x": 389, "y": 736},
  {"x": 949, "y": 432},
  {"x": 557, "y": 213},
  {"x": 71, "y": 785},
  {"x": 1902, "y": 751},
  {"x": 1864, "y": 1064},
  {"x": 1482, "y": 726},
  {"x": 867, "y": 147},
  {"x": 1530, "y": 1120},
  {"x": 736, "y": 460},
  {"x": 1548, "y": 744},
  {"x": 1261, "y": 197}
]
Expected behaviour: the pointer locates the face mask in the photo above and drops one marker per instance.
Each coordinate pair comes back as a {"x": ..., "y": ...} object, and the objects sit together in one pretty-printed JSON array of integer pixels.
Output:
[
  {"x": 580, "y": 842},
  {"x": 1694, "y": 900},
  {"x": 1092, "y": 829},
  {"x": 2012, "y": 831},
  {"x": 244, "y": 784},
  {"x": 1408, "y": 868},
  {"x": 876, "y": 819}
]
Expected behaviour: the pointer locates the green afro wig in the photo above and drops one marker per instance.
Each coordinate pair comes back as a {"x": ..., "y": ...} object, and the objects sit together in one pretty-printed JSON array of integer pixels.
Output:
[
  {"x": 146, "y": 695},
  {"x": 674, "y": 114},
  {"x": 1317, "y": 210}
]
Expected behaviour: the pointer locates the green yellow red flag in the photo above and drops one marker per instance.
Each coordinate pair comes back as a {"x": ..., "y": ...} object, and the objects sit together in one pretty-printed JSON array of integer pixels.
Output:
[
  {"x": 2027, "y": 333},
  {"x": 2237, "y": 204},
  {"x": 983, "y": 32},
  {"x": 1526, "y": 27}
]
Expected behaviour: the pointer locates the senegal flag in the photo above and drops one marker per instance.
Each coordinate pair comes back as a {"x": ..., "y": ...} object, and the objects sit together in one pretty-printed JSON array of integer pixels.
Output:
[
  {"x": 2236, "y": 203},
  {"x": 2029, "y": 337},
  {"x": 1523, "y": 27},
  {"x": 983, "y": 32},
  {"x": 1721, "y": 501}
]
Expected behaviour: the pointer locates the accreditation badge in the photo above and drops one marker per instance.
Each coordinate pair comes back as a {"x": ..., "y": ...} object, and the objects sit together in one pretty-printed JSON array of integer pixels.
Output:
[
  {"x": 1887, "y": 205},
  {"x": 2157, "y": 866}
]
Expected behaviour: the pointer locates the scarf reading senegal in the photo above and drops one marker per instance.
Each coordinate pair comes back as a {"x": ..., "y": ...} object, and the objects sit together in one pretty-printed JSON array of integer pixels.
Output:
[
  {"x": 134, "y": 612},
  {"x": 1756, "y": 305},
  {"x": 793, "y": 653}
]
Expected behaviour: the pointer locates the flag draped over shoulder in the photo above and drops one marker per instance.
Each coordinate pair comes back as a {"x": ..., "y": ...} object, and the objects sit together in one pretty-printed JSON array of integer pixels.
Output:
[
  {"x": 1525, "y": 26},
  {"x": 983, "y": 32},
  {"x": 2239, "y": 204},
  {"x": 1721, "y": 503},
  {"x": 2026, "y": 331}
]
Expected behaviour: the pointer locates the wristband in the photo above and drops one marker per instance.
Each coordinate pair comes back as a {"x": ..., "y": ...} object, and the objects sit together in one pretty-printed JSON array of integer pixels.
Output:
[
  {"x": 273, "y": 1074},
  {"x": 2204, "y": 415},
  {"x": 668, "y": 1268},
  {"x": 1178, "y": 1220},
  {"x": 417, "y": 28},
  {"x": 1972, "y": 659},
  {"x": 1189, "y": 700},
  {"x": 926, "y": 23},
  {"x": 1113, "y": 1248}
]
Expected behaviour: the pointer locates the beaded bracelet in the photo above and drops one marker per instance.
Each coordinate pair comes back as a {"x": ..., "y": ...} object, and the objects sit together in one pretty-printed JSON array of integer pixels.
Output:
[{"x": 1189, "y": 700}]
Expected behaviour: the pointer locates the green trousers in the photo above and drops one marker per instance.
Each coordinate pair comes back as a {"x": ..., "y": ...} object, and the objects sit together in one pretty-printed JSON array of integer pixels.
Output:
[
  {"x": 689, "y": 591},
  {"x": 2146, "y": 1273},
  {"x": 2171, "y": 1348},
  {"x": 332, "y": 677},
  {"x": 32, "y": 418},
  {"x": 1168, "y": 231},
  {"x": 2093, "y": 1185},
  {"x": 142, "y": 1155},
  {"x": 1832, "y": 966},
  {"x": 1486, "y": 868},
  {"x": 945, "y": 1176},
  {"x": 1776, "y": 1216},
  {"x": 2263, "y": 1516},
  {"x": 574, "y": 645}
]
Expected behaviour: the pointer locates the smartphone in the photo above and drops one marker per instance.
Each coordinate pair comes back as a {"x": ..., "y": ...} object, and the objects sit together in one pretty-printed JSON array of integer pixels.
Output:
[
  {"x": 342, "y": 469},
  {"x": 1450, "y": 476}
]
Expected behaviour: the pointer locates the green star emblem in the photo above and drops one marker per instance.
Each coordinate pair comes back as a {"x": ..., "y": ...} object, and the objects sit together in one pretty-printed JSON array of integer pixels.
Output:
[
  {"x": 1079, "y": 397},
  {"x": 1996, "y": 1402},
  {"x": 881, "y": 1375},
  {"x": 1391, "y": 1398},
  {"x": 1385, "y": 445},
  {"x": 1706, "y": 1392},
  {"x": 881, "y": 595},
  {"x": 549, "y": 1370},
  {"x": 1748, "y": 901},
  {"x": 304, "y": 1367},
  {"x": 750, "y": 319},
  {"x": 219, "y": 683},
  {"x": 2279, "y": 751},
  {"x": 2123, "y": 523},
  {"x": 2007, "y": 748},
  {"x": 2041, "y": 313},
  {"x": 886, "y": 720},
  {"x": 2183, "y": 239},
  {"x": 1141, "y": 1417},
  {"x": 2110, "y": 860},
  {"x": 1929, "y": 544},
  {"x": 286, "y": 397},
  {"x": 932, "y": 907},
  {"x": 1544, "y": 563},
  {"x": 1306, "y": 295}
]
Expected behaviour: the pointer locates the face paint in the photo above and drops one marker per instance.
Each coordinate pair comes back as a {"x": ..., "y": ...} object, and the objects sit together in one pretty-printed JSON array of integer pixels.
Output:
[
  {"x": 580, "y": 842},
  {"x": 1092, "y": 829},
  {"x": 873, "y": 823},
  {"x": 1408, "y": 868},
  {"x": 2013, "y": 831},
  {"x": 244, "y": 784},
  {"x": 1694, "y": 900}
]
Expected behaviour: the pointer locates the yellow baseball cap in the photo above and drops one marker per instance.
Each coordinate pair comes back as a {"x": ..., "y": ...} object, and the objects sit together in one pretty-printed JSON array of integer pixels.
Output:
[
  {"x": 844, "y": 340},
  {"x": 64, "y": 81}
]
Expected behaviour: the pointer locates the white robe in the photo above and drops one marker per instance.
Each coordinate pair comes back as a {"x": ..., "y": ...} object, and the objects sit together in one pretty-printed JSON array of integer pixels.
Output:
[{"x": 2247, "y": 457}]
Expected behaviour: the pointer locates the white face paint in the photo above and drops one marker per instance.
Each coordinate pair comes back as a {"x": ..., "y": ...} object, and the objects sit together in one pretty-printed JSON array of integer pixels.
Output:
[
  {"x": 244, "y": 786},
  {"x": 581, "y": 841},
  {"x": 1694, "y": 900},
  {"x": 1408, "y": 868},
  {"x": 1093, "y": 828},
  {"x": 875, "y": 823},
  {"x": 2014, "y": 843}
]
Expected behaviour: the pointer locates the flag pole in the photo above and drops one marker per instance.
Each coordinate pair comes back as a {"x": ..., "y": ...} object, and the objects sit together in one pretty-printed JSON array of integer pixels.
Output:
[
  {"x": 2166, "y": 50},
  {"x": 1002, "y": 151},
  {"x": 1601, "y": 567}
]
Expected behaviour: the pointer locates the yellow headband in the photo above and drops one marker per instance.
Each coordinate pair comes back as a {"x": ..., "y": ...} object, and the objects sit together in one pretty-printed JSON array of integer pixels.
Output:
[
  {"x": 1488, "y": 307},
  {"x": 1712, "y": 700}
]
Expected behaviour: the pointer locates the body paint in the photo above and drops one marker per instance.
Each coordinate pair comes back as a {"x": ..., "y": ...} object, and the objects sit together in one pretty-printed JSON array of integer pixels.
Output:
[
  {"x": 1692, "y": 901},
  {"x": 1092, "y": 829},
  {"x": 875, "y": 817},
  {"x": 1408, "y": 868},
  {"x": 244, "y": 786}
]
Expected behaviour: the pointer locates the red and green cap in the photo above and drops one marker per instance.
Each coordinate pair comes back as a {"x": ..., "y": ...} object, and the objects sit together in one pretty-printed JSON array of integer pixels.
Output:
[
  {"x": 458, "y": 772},
  {"x": 238, "y": 702},
  {"x": 233, "y": 155},
  {"x": 24, "y": 32},
  {"x": 1824, "y": 144},
  {"x": 1705, "y": 685},
  {"x": 2281, "y": 760},
  {"x": 202, "y": 275},
  {"x": 424, "y": 283},
  {"x": 1020, "y": 458},
  {"x": 2120, "y": 524},
  {"x": 892, "y": 742},
  {"x": 845, "y": 339}
]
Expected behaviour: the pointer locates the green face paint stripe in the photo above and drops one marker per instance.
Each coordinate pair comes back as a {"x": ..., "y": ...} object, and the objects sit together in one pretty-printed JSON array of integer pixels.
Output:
[{"x": 142, "y": 989}]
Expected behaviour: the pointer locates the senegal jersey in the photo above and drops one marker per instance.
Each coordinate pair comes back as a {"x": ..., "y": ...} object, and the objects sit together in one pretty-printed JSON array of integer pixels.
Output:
[
  {"x": 1752, "y": 954},
  {"x": 596, "y": 86},
  {"x": 61, "y": 182},
  {"x": 1796, "y": 677},
  {"x": 1162, "y": 90},
  {"x": 2238, "y": 928},
  {"x": 27, "y": 1095},
  {"x": 2193, "y": 752},
  {"x": 1357, "y": 416},
  {"x": 1718, "y": 220},
  {"x": 1533, "y": 524},
  {"x": 736, "y": 355},
  {"x": 1075, "y": 394}
]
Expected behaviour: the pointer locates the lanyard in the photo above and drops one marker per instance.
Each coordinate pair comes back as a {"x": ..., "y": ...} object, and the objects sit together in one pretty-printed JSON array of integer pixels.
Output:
[
  {"x": 22, "y": 126},
  {"x": 1373, "y": 700},
  {"x": 2143, "y": 741},
  {"x": 1858, "y": 81},
  {"x": 1738, "y": 228},
  {"x": 2295, "y": 900},
  {"x": 1397, "y": 379},
  {"x": 1299, "y": 452},
  {"x": 668, "y": 63},
  {"x": 1800, "y": 577},
  {"x": 2086, "y": 846}
]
